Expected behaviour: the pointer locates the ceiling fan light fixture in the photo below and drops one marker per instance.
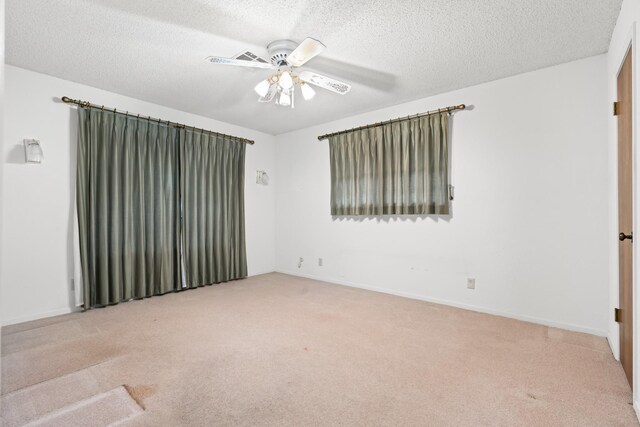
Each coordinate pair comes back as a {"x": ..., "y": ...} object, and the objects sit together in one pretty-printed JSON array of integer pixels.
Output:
[
  {"x": 307, "y": 91},
  {"x": 285, "y": 81},
  {"x": 285, "y": 58},
  {"x": 262, "y": 88},
  {"x": 284, "y": 99}
]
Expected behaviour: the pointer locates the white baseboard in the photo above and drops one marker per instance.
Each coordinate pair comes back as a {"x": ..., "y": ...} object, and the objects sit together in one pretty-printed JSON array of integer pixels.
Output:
[
  {"x": 66, "y": 310},
  {"x": 37, "y": 316},
  {"x": 259, "y": 273},
  {"x": 486, "y": 310},
  {"x": 613, "y": 345},
  {"x": 546, "y": 322}
]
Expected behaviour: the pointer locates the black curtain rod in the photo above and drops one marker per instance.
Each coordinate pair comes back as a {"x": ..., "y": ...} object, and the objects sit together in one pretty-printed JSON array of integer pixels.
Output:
[
  {"x": 373, "y": 125},
  {"x": 87, "y": 104}
]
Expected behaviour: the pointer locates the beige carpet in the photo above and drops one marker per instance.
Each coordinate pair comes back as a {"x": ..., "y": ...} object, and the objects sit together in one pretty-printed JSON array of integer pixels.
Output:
[{"x": 278, "y": 350}]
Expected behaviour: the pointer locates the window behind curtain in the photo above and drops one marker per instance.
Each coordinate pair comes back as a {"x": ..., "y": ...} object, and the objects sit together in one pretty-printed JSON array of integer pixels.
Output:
[
  {"x": 155, "y": 204},
  {"x": 400, "y": 168}
]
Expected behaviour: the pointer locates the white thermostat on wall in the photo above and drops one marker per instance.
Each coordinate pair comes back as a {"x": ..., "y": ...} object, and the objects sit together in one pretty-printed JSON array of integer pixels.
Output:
[
  {"x": 262, "y": 178},
  {"x": 33, "y": 151}
]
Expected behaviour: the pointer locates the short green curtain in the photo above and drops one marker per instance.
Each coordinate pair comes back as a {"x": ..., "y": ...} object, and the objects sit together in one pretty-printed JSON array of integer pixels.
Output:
[
  {"x": 212, "y": 203},
  {"x": 400, "y": 168},
  {"x": 128, "y": 207}
]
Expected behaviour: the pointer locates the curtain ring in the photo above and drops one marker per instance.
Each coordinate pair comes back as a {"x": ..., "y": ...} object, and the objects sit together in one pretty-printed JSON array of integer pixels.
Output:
[{"x": 102, "y": 108}]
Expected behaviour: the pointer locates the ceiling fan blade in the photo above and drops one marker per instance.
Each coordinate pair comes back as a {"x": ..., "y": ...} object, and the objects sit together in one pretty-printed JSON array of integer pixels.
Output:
[
  {"x": 238, "y": 62},
  {"x": 273, "y": 89},
  {"x": 325, "y": 82},
  {"x": 374, "y": 78},
  {"x": 305, "y": 51}
]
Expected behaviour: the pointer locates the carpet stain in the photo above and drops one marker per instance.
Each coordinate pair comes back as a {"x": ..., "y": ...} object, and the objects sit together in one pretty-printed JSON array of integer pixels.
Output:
[
  {"x": 532, "y": 396},
  {"x": 140, "y": 393}
]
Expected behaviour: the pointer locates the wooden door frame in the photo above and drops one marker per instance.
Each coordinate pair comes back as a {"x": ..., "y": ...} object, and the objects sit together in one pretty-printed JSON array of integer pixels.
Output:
[{"x": 622, "y": 51}]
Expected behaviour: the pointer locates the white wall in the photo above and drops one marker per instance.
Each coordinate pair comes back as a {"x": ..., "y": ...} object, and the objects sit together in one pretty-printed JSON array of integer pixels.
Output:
[
  {"x": 530, "y": 218},
  {"x": 623, "y": 34},
  {"x": 38, "y": 199}
]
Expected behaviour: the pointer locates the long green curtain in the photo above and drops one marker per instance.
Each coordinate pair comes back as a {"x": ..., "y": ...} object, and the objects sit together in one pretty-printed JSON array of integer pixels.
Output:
[
  {"x": 127, "y": 199},
  {"x": 400, "y": 168},
  {"x": 156, "y": 204},
  {"x": 212, "y": 185}
]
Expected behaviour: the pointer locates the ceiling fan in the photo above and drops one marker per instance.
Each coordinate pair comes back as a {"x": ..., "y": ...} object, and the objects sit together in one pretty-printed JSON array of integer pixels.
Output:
[{"x": 285, "y": 56}]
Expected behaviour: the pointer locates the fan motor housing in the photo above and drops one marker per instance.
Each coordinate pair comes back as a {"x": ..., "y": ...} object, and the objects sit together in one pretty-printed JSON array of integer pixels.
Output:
[{"x": 279, "y": 50}]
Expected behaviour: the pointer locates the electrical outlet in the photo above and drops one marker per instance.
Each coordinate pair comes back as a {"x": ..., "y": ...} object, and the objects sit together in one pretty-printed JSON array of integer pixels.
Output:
[
  {"x": 320, "y": 262},
  {"x": 471, "y": 283}
]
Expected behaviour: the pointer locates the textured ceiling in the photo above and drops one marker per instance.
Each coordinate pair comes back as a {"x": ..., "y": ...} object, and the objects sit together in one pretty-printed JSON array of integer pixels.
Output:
[{"x": 390, "y": 52}]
